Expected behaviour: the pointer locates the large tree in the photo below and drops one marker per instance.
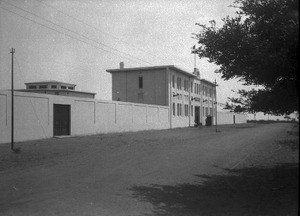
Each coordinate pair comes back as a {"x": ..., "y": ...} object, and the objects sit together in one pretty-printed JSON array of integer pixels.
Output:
[{"x": 259, "y": 46}]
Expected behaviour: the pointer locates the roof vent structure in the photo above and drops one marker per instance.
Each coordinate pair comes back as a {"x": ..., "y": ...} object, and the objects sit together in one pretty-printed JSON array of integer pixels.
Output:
[
  {"x": 196, "y": 72},
  {"x": 121, "y": 65}
]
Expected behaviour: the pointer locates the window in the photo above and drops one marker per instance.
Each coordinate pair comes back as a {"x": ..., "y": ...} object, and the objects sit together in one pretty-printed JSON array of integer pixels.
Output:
[
  {"x": 211, "y": 111},
  {"x": 180, "y": 109},
  {"x": 140, "y": 82},
  {"x": 71, "y": 88},
  {"x": 195, "y": 88},
  {"x": 53, "y": 86},
  {"x": 192, "y": 107},
  {"x": 186, "y": 110},
  {"x": 32, "y": 87},
  {"x": 63, "y": 87},
  {"x": 178, "y": 83},
  {"x": 173, "y": 81},
  {"x": 174, "y": 109},
  {"x": 186, "y": 85},
  {"x": 191, "y": 87},
  {"x": 43, "y": 86},
  {"x": 206, "y": 110}
]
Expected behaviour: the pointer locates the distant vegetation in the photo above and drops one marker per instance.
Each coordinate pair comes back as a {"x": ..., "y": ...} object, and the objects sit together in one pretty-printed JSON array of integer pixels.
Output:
[{"x": 271, "y": 121}]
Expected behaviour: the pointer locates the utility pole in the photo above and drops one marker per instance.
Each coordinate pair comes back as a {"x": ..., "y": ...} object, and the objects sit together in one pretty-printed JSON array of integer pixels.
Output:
[
  {"x": 216, "y": 105},
  {"x": 12, "y": 51}
]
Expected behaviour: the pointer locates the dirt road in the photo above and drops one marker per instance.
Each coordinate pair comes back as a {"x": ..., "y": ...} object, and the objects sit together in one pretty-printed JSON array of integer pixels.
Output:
[{"x": 241, "y": 170}]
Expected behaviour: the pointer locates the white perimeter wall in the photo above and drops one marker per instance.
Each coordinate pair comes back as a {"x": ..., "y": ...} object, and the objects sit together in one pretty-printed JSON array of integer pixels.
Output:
[
  {"x": 34, "y": 116},
  {"x": 228, "y": 118}
]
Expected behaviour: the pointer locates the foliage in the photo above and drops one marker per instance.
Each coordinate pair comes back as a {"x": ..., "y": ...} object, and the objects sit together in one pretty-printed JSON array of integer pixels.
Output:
[{"x": 259, "y": 47}]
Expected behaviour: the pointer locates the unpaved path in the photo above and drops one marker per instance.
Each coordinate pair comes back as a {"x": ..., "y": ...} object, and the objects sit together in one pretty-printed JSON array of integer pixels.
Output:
[{"x": 241, "y": 170}]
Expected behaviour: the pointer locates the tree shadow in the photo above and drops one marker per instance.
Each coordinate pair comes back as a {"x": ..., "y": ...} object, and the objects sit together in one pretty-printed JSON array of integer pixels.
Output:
[{"x": 248, "y": 191}]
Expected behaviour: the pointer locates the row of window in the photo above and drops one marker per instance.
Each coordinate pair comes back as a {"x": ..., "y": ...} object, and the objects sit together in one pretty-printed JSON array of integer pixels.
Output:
[
  {"x": 52, "y": 87},
  {"x": 196, "y": 99},
  {"x": 206, "y": 110},
  {"x": 197, "y": 89},
  {"x": 208, "y": 91},
  {"x": 179, "y": 109}
]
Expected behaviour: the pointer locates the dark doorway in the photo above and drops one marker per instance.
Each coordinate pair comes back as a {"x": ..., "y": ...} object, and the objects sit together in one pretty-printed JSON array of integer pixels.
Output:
[
  {"x": 61, "y": 119},
  {"x": 197, "y": 115},
  {"x": 233, "y": 119},
  {"x": 208, "y": 121}
]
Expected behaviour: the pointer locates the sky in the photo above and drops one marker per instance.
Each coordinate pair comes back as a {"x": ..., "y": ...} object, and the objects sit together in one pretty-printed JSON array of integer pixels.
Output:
[{"x": 76, "y": 41}]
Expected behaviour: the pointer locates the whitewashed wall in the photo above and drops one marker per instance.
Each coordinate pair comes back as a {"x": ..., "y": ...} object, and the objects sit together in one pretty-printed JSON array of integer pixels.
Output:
[
  {"x": 228, "y": 118},
  {"x": 34, "y": 116}
]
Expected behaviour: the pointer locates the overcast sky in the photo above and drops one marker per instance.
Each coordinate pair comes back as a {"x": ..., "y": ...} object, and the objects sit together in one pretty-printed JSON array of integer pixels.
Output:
[{"x": 77, "y": 40}]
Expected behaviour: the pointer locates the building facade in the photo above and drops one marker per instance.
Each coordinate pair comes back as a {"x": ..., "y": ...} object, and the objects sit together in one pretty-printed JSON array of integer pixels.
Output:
[
  {"x": 191, "y": 99},
  {"x": 56, "y": 88}
]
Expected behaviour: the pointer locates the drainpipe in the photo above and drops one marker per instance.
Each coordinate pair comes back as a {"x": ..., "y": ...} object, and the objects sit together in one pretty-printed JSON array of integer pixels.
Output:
[
  {"x": 170, "y": 96},
  {"x": 189, "y": 109}
]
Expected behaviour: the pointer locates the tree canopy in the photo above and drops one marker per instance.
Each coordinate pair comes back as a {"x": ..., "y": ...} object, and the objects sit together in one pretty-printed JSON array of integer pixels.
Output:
[{"x": 259, "y": 46}]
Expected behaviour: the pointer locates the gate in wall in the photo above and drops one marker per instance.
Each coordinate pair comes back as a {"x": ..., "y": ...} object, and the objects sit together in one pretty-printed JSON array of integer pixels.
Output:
[{"x": 61, "y": 119}]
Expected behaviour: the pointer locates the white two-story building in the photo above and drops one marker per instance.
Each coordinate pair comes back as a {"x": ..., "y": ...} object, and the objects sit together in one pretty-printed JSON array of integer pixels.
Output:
[{"x": 191, "y": 100}]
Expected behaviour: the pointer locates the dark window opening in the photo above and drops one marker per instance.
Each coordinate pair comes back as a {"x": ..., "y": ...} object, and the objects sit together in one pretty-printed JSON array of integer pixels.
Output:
[
  {"x": 173, "y": 81},
  {"x": 72, "y": 88},
  {"x": 53, "y": 86},
  {"x": 140, "y": 82},
  {"x": 63, "y": 87},
  {"x": 174, "y": 111},
  {"x": 43, "y": 86},
  {"x": 32, "y": 87}
]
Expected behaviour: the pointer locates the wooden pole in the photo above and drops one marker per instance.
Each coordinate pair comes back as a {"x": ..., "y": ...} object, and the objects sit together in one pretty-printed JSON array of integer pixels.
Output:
[
  {"x": 216, "y": 105},
  {"x": 12, "y": 51}
]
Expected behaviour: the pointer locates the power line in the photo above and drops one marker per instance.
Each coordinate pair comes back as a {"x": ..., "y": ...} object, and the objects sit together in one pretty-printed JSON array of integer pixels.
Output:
[
  {"x": 91, "y": 26},
  {"x": 74, "y": 32},
  {"x": 67, "y": 34},
  {"x": 34, "y": 110}
]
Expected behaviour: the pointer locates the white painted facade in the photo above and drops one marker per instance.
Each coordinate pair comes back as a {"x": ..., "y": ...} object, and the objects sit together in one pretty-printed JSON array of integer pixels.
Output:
[
  {"x": 190, "y": 98},
  {"x": 170, "y": 98}
]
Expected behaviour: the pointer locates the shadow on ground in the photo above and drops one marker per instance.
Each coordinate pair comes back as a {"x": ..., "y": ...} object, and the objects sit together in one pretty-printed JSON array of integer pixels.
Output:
[{"x": 248, "y": 191}]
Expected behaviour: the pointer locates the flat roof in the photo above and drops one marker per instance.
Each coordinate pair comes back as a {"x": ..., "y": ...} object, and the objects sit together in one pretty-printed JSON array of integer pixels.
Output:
[
  {"x": 50, "y": 81},
  {"x": 54, "y": 90},
  {"x": 159, "y": 67},
  {"x": 153, "y": 68}
]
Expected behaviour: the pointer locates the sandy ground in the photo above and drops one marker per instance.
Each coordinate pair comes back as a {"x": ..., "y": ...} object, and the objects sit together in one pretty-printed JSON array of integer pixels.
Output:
[{"x": 249, "y": 169}]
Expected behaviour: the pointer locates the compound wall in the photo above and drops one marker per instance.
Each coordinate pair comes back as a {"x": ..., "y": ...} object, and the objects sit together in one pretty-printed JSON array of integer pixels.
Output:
[
  {"x": 33, "y": 116},
  {"x": 231, "y": 118}
]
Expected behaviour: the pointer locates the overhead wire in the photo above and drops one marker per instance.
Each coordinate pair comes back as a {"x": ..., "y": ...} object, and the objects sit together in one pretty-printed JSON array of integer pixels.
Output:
[
  {"x": 91, "y": 26},
  {"x": 99, "y": 48},
  {"x": 30, "y": 99},
  {"x": 74, "y": 32}
]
